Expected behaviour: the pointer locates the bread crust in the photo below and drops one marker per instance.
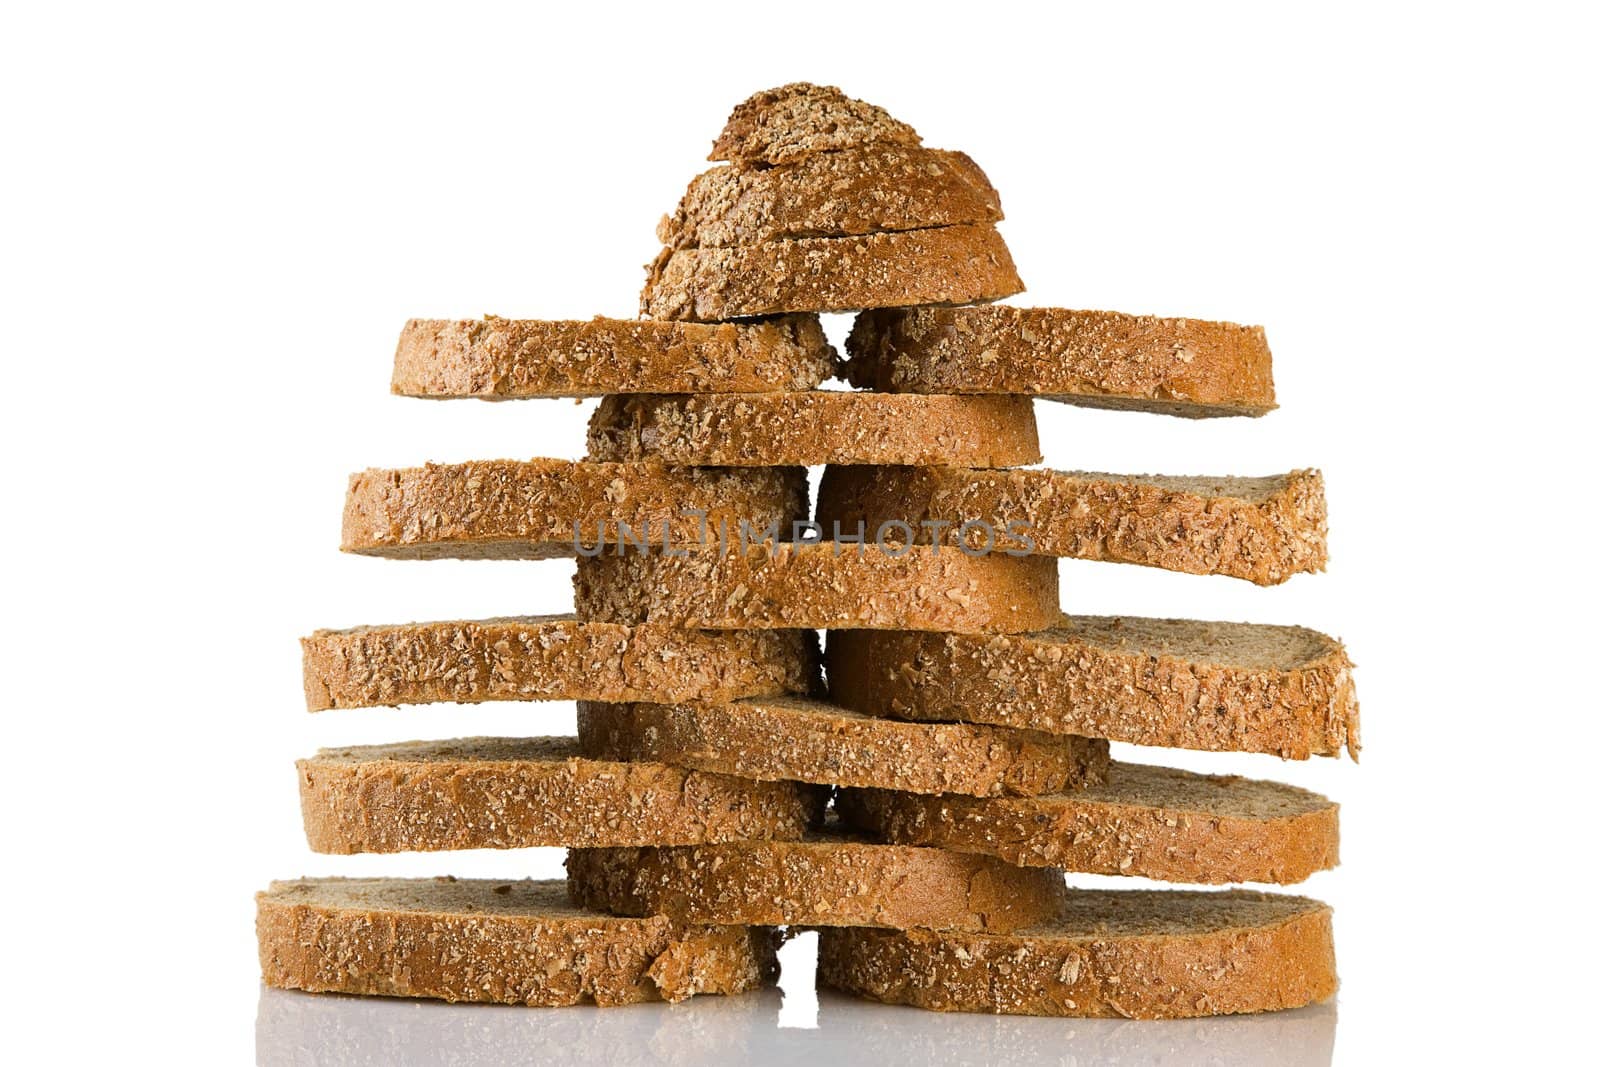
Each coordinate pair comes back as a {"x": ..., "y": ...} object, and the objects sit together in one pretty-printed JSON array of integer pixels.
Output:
[
  {"x": 550, "y": 657},
  {"x": 1186, "y": 367},
  {"x": 816, "y": 428},
  {"x": 806, "y": 740},
  {"x": 821, "y": 586},
  {"x": 822, "y": 881},
  {"x": 1176, "y": 683},
  {"x": 496, "y": 792},
  {"x": 492, "y": 942},
  {"x": 1152, "y": 822},
  {"x": 530, "y": 509},
  {"x": 942, "y": 265},
  {"x": 1263, "y": 530},
  {"x": 503, "y": 359},
  {"x": 832, "y": 194},
  {"x": 800, "y": 119},
  {"x": 1116, "y": 954}
]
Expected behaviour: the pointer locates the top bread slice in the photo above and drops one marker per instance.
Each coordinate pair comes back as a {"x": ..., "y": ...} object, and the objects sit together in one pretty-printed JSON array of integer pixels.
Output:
[
  {"x": 543, "y": 508},
  {"x": 1103, "y": 359},
  {"x": 800, "y": 119},
  {"x": 504, "y": 359},
  {"x": 480, "y": 941}
]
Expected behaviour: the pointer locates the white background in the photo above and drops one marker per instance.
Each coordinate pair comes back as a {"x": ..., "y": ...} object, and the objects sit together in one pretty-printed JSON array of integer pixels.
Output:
[{"x": 216, "y": 221}]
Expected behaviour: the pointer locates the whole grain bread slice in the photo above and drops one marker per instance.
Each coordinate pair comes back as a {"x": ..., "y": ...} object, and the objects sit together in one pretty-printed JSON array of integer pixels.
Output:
[
  {"x": 493, "y": 942},
  {"x": 543, "y": 508},
  {"x": 798, "y": 739},
  {"x": 1263, "y": 530},
  {"x": 550, "y": 657},
  {"x": 832, "y": 194},
  {"x": 1104, "y": 359},
  {"x": 1153, "y": 822},
  {"x": 825, "y": 880},
  {"x": 820, "y": 585},
  {"x": 504, "y": 359},
  {"x": 800, "y": 119},
  {"x": 500, "y": 792},
  {"x": 1113, "y": 954},
  {"x": 815, "y": 428},
  {"x": 941, "y": 265},
  {"x": 1220, "y": 686}
]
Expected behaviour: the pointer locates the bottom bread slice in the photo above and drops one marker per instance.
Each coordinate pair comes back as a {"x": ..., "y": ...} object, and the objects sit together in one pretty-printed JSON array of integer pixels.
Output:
[
  {"x": 1130, "y": 954},
  {"x": 493, "y": 942}
]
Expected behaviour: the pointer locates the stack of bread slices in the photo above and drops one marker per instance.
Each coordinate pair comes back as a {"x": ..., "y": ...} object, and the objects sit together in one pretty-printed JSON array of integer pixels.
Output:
[{"x": 919, "y": 805}]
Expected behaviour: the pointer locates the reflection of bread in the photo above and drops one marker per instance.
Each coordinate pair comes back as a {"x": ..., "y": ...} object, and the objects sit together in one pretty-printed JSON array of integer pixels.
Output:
[
  {"x": 1222, "y": 686},
  {"x": 794, "y": 739},
  {"x": 1134, "y": 955},
  {"x": 821, "y": 586},
  {"x": 494, "y": 942},
  {"x": 1151, "y": 822},
  {"x": 1089, "y": 358},
  {"x": 822, "y": 881},
  {"x": 550, "y": 657},
  {"x": 493, "y": 792},
  {"x": 501, "y": 359},
  {"x": 529, "y": 509},
  {"x": 814, "y": 428},
  {"x": 1261, "y": 529}
]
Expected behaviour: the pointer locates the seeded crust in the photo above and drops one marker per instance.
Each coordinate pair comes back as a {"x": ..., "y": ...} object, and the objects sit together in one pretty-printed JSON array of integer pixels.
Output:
[
  {"x": 499, "y": 792},
  {"x": 815, "y": 428},
  {"x": 799, "y": 119},
  {"x": 942, "y": 265},
  {"x": 503, "y": 359},
  {"x": 1115, "y": 954},
  {"x": 797, "y": 739},
  {"x": 492, "y": 942},
  {"x": 1260, "y": 529},
  {"x": 1176, "y": 683},
  {"x": 1104, "y": 359},
  {"x": 821, "y": 586},
  {"x": 550, "y": 657},
  {"x": 826, "y": 880},
  {"x": 529, "y": 509},
  {"x": 1153, "y": 822},
  {"x": 833, "y": 194}
]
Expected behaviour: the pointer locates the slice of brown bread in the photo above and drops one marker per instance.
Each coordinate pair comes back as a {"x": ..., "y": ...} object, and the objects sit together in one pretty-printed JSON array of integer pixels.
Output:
[
  {"x": 1260, "y": 529},
  {"x": 821, "y": 586},
  {"x": 798, "y": 739},
  {"x": 1103, "y": 359},
  {"x": 799, "y": 119},
  {"x": 832, "y": 194},
  {"x": 502, "y": 792},
  {"x": 815, "y": 428},
  {"x": 825, "y": 880},
  {"x": 1114, "y": 954},
  {"x": 1153, "y": 822},
  {"x": 1179, "y": 683},
  {"x": 492, "y": 942},
  {"x": 550, "y": 657},
  {"x": 503, "y": 359},
  {"x": 942, "y": 265},
  {"x": 537, "y": 509}
]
